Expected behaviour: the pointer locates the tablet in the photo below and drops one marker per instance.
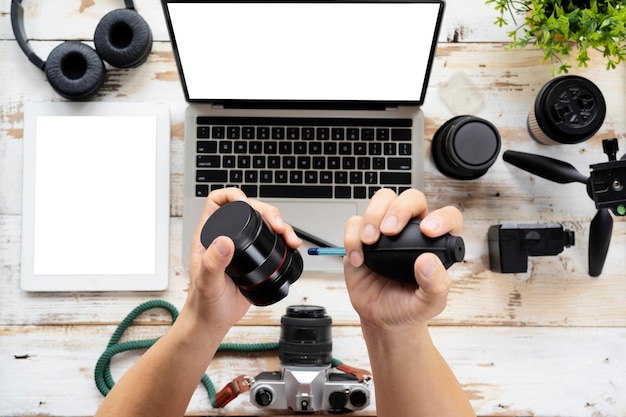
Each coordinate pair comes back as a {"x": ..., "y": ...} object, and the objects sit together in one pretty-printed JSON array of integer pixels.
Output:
[{"x": 95, "y": 213}]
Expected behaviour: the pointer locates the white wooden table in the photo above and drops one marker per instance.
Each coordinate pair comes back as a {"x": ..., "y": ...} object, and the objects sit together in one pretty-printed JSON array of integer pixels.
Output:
[{"x": 551, "y": 342}]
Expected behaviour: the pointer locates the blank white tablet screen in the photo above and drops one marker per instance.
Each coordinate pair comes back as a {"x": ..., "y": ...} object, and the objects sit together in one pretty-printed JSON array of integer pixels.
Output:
[{"x": 95, "y": 195}]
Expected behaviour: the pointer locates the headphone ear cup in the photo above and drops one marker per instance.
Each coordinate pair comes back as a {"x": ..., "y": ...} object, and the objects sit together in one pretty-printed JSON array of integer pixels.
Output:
[
  {"x": 75, "y": 70},
  {"x": 123, "y": 38}
]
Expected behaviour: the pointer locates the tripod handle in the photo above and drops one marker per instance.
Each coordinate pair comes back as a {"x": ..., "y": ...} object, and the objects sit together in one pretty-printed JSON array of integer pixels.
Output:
[
  {"x": 545, "y": 167},
  {"x": 599, "y": 240}
]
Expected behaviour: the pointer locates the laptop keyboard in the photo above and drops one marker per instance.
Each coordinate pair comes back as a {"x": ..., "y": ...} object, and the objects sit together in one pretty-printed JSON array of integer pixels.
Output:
[{"x": 303, "y": 157}]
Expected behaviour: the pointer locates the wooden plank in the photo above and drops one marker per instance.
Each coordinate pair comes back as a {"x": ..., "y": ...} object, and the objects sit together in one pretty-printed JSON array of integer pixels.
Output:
[{"x": 504, "y": 371}]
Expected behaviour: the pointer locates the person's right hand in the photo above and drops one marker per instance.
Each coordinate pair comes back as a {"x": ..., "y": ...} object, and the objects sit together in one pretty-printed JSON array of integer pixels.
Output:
[
  {"x": 384, "y": 304},
  {"x": 214, "y": 300}
]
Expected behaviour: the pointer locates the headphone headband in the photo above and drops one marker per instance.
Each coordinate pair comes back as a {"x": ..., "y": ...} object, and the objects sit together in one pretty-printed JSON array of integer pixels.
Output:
[{"x": 17, "y": 22}]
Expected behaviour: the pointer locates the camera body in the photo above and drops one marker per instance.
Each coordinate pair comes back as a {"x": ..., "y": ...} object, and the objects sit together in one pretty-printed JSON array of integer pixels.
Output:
[
  {"x": 309, "y": 389},
  {"x": 307, "y": 381}
]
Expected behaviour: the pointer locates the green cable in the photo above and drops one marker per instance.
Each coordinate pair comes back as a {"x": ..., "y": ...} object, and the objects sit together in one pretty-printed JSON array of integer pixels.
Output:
[{"x": 102, "y": 373}]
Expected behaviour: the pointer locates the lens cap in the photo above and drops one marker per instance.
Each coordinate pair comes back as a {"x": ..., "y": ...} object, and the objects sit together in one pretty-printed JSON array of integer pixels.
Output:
[
  {"x": 237, "y": 220},
  {"x": 568, "y": 110},
  {"x": 465, "y": 147}
]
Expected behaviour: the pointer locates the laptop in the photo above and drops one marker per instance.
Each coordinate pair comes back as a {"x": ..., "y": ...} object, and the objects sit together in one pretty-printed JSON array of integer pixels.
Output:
[{"x": 308, "y": 105}]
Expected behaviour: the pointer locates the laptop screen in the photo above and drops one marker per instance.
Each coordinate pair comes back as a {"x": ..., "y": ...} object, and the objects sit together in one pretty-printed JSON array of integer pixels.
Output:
[{"x": 304, "y": 51}]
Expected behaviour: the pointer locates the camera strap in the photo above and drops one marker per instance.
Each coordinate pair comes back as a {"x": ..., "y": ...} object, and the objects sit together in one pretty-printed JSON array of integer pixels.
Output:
[
  {"x": 235, "y": 387},
  {"x": 362, "y": 375},
  {"x": 104, "y": 379}
]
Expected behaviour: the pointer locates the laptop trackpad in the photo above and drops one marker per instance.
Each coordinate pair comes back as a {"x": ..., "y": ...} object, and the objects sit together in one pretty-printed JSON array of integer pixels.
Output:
[{"x": 323, "y": 220}]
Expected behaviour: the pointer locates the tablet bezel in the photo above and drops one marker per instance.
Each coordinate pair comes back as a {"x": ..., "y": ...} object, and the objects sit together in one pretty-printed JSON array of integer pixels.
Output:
[{"x": 157, "y": 281}]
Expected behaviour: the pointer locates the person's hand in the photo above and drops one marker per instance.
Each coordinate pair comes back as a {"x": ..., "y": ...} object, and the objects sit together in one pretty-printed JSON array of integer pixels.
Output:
[
  {"x": 384, "y": 304},
  {"x": 213, "y": 297}
]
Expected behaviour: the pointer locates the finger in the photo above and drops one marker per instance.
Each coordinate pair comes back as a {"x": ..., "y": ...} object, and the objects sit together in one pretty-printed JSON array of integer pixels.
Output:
[
  {"x": 291, "y": 237},
  {"x": 352, "y": 240},
  {"x": 275, "y": 221},
  {"x": 441, "y": 221},
  {"x": 214, "y": 201},
  {"x": 271, "y": 214},
  {"x": 433, "y": 280},
  {"x": 220, "y": 197},
  {"x": 215, "y": 259},
  {"x": 374, "y": 214},
  {"x": 408, "y": 205}
]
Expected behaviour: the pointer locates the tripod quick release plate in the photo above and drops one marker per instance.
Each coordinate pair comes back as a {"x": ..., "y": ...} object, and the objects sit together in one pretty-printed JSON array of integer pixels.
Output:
[{"x": 608, "y": 186}]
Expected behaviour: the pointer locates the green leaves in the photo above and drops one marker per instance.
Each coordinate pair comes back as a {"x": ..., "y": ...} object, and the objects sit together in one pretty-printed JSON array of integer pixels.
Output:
[{"x": 560, "y": 26}]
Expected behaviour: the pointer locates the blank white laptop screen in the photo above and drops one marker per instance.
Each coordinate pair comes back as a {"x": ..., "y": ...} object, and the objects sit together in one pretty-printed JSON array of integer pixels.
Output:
[
  {"x": 314, "y": 51},
  {"x": 94, "y": 197}
]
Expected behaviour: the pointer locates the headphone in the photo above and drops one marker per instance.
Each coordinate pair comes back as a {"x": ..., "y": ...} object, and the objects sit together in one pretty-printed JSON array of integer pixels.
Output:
[{"x": 75, "y": 70}]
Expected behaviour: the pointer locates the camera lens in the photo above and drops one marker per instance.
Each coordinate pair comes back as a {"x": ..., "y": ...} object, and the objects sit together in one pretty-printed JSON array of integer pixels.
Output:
[
  {"x": 465, "y": 147},
  {"x": 567, "y": 110},
  {"x": 263, "y": 266},
  {"x": 305, "y": 337}
]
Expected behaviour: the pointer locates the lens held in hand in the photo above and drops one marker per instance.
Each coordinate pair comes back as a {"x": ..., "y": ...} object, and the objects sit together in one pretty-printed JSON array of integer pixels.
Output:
[
  {"x": 263, "y": 266},
  {"x": 568, "y": 110}
]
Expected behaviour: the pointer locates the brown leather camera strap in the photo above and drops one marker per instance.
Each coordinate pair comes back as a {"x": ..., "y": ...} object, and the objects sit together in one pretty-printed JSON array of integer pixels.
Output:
[
  {"x": 361, "y": 374},
  {"x": 235, "y": 387}
]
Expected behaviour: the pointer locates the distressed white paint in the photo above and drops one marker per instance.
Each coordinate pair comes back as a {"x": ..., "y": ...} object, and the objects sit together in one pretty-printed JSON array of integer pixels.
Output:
[
  {"x": 505, "y": 372},
  {"x": 547, "y": 343}
]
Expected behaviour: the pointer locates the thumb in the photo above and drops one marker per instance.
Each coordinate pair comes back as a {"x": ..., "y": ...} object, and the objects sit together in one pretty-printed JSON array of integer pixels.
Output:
[
  {"x": 432, "y": 278},
  {"x": 218, "y": 255}
]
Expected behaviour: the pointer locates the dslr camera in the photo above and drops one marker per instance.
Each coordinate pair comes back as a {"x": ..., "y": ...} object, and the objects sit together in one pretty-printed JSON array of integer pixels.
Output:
[{"x": 307, "y": 381}]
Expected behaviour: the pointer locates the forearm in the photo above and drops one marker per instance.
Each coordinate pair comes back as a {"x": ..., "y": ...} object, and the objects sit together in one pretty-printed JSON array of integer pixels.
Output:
[
  {"x": 163, "y": 380},
  {"x": 410, "y": 376}
]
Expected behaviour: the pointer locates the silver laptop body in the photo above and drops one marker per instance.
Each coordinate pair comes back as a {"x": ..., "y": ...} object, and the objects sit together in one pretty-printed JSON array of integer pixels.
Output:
[{"x": 291, "y": 71}]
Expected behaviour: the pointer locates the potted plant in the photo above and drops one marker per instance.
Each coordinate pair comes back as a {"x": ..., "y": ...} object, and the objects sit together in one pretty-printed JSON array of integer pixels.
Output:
[{"x": 559, "y": 26}]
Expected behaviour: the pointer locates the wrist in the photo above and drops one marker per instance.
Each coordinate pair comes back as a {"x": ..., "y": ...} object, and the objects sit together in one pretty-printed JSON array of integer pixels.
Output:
[
  {"x": 397, "y": 339},
  {"x": 196, "y": 331}
]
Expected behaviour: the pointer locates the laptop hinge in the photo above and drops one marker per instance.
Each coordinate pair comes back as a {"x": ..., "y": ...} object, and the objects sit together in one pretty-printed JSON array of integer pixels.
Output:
[
  {"x": 302, "y": 105},
  {"x": 391, "y": 108}
]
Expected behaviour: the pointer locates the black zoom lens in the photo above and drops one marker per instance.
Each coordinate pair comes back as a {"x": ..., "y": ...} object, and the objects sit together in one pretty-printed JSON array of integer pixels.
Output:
[
  {"x": 305, "y": 337},
  {"x": 263, "y": 266}
]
